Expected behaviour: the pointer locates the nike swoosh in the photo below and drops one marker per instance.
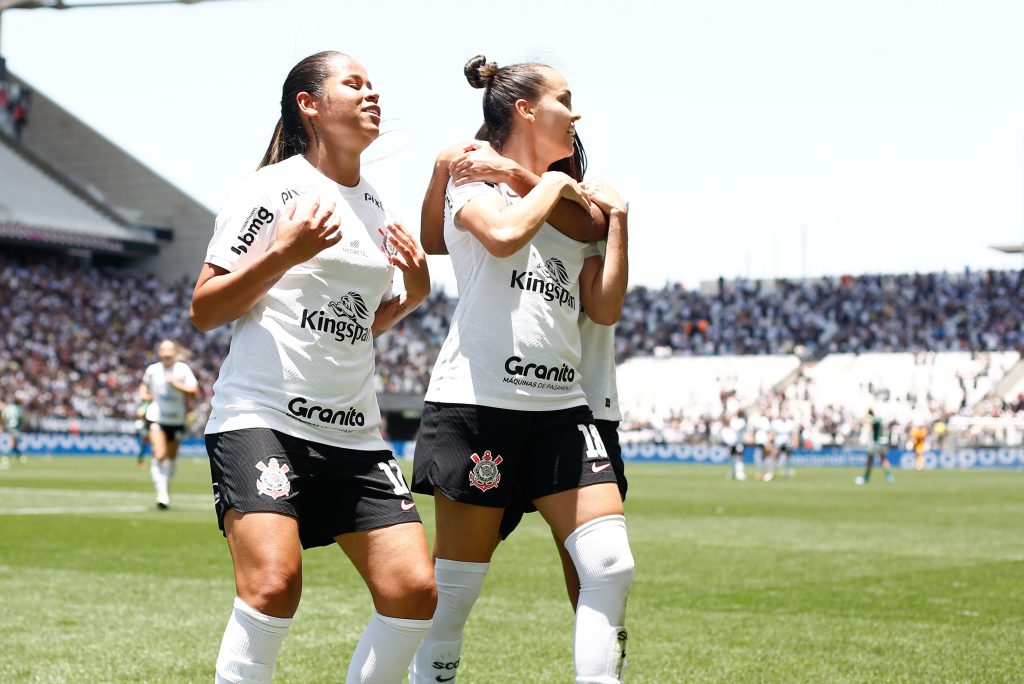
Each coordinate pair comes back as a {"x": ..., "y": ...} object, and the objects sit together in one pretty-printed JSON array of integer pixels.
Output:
[
  {"x": 598, "y": 468},
  {"x": 408, "y": 506},
  {"x": 439, "y": 678}
]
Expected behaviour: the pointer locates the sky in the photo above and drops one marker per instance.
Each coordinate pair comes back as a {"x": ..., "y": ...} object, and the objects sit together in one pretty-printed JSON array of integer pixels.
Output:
[{"x": 792, "y": 138}]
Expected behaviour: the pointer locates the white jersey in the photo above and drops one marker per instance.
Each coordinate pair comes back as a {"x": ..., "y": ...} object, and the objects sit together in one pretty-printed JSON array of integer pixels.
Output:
[
  {"x": 783, "y": 429},
  {"x": 514, "y": 341},
  {"x": 301, "y": 360},
  {"x": 597, "y": 369},
  {"x": 168, "y": 405}
]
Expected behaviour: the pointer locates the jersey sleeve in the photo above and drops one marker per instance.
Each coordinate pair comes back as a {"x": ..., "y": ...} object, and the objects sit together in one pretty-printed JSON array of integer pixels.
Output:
[
  {"x": 459, "y": 196},
  {"x": 147, "y": 378},
  {"x": 244, "y": 228},
  {"x": 186, "y": 376}
]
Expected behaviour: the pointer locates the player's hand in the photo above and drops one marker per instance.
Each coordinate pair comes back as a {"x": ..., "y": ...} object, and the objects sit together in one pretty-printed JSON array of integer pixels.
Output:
[
  {"x": 601, "y": 193},
  {"x": 410, "y": 258},
  {"x": 570, "y": 189},
  {"x": 480, "y": 162},
  {"x": 307, "y": 227}
]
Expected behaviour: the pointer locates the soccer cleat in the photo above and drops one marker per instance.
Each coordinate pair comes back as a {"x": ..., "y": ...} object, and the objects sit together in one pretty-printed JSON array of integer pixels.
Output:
[{"x": 162, "y": 506}]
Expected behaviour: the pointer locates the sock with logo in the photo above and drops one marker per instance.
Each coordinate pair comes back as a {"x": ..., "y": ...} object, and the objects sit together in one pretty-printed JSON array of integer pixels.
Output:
[
  {"x": 458, "y": 587},
  {"x": 604, "y": 563},
  {"x": 250, "y": 645},
  {"x": 385, "y": 649}
]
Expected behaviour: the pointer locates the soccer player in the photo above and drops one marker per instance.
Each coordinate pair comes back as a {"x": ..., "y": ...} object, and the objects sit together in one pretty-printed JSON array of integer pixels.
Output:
[
  {"x": 734, "y": 435},
  {"x": 13, "y": 415},
  {"x": 478, "y": 162},
  {"x": 878, "y": 446},
  {"x": 302, "y": 261},
  {"x": 506, "y": 416},
  {"x": 142, "y": 430},
  {"x": 165, "y": 384},
  {"x": 919, "y": 436}
]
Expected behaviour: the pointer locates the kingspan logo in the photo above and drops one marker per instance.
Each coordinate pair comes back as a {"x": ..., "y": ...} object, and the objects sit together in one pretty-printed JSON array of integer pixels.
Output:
[
  {"x": 551, "y": 280},
  {"x": 348, "y": 319},
  {"x": 528, "y": 373},
  {"x": 322, "y": 414}
]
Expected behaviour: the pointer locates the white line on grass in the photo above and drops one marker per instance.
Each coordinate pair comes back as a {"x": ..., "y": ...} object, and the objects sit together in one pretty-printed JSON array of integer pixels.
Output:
[{"x": 93, "y": 509}]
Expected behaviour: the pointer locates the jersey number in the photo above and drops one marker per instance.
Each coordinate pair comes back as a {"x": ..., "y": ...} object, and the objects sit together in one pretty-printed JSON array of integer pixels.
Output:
[
  {"x": 595, "y": 447},
  {"x": 394, "y": 474}
]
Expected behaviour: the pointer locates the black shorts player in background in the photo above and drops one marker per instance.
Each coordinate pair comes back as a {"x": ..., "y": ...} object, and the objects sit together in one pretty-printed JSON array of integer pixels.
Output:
[
  {"x": 302, "y": 261},
  {"x": 506, "y": 418}
]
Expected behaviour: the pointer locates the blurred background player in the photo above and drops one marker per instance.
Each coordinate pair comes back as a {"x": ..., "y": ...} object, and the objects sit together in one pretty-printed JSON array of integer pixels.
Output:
[
  {"x": 734, "y": 435},
  {"x": 919, "y": 436},
  {"x": 878, "y": 445},
  {"x": 142, "y": 430},
  {"x": 784, "y": 429},
  {"x": 13, "y": 416},
  {"x": 165, "y": 384}
]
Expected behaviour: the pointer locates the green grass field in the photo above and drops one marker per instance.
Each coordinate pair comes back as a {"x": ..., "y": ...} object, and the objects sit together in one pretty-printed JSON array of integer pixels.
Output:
[{"x": 807, "y": 580}]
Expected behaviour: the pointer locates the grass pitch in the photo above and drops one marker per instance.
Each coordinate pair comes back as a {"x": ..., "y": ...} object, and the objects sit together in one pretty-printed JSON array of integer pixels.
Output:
[{"x": 806, "y": 580}]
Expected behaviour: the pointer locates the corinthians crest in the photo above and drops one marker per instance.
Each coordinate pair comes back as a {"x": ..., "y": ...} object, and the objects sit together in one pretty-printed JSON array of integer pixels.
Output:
[
  {"x": 273, "y": 479},
  {"x": 485, "y": 473}
]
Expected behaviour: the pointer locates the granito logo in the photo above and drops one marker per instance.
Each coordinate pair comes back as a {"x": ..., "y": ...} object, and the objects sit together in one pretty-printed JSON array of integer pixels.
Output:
[
  {"x": 551, "y": 281},
  {"x": 526, "y": 375},
  {"x": 350, "y": 312},
  {"x": 322, "y": 414},
  {"x": 257, "y": 219}
]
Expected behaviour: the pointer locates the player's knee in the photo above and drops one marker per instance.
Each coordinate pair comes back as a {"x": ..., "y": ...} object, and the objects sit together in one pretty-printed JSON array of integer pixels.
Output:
[
  {"x": 600, "y": 551},
  {"x": 413, "y": 596},
  {"x": 273, "y": 591}
]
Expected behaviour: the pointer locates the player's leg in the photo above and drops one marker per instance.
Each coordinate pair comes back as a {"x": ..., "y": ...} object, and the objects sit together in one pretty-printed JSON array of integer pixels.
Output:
[
  {"x": 256, "y": 485},
  {"x": 170, "y": 461},
  {"x": 572, "y": 482},
  {"x": 889, "y": 477},
  {"x": 157, "y": 469},
  {"x": 396, "y": 566},
  {"x": 267, "y": 558},
  {"x": 590, "y": 524},
  {"x": 465, "y": 539},
  {"x": 465, "y": 458}
]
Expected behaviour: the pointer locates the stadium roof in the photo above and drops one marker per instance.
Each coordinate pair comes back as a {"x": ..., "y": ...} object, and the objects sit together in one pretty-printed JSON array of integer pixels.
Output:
[{"x": 39, "y": 207}]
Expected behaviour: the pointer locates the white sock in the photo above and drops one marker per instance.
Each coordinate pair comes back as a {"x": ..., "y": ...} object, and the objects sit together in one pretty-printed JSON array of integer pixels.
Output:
[
  {"x": 458, "y": 587},
  {"x": 158, "y": 471},
  {"x": 250, "y": 645},
  {"x": 600, "y": 551},
  {"x": 385, "y": 649}
]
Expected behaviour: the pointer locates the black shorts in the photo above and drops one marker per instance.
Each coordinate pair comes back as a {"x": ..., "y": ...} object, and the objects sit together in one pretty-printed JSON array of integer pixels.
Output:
[
  {"x": 491, "y": 457},
  {"x": 609, "y": 431},
  {"x": 173, "y": 432},
  {"x": 330, "y": 490}
]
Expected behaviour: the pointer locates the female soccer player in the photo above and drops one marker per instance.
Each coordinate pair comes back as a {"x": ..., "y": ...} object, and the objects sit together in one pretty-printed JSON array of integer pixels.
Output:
[
  {"x": 165, "y": 384},
  {"x": 302, "y": 261},
  {"x": 506, "y": 417}
]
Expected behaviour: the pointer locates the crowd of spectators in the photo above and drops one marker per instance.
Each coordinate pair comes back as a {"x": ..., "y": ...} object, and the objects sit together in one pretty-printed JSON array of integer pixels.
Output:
[
  {"x": 15, "y": 102},
  {"x": 76, "y": 337}
]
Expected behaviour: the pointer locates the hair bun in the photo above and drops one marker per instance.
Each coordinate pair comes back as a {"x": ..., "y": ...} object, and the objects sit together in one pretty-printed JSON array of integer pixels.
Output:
[{"x": 479, "y": 72}]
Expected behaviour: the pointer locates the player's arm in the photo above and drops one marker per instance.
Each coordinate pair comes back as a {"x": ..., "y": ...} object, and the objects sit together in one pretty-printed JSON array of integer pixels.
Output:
[
  {"x": 603, "y": 281},
  {"x": 190, "y": 389},
  {"x": 144, "y": 392},
  {"x": 480, "y": 162},
  {"x": 505, "y": 229},
  {"x": 303, "y": 231},
  {"x": 410, "y": 258},
  {"x": 432, "y": 211}
]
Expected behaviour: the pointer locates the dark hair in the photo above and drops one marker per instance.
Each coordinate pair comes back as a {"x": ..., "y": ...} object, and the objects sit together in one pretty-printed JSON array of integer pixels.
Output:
[
  {"x": 308, "y": 76},
  {"x": 502, "y": 87}
]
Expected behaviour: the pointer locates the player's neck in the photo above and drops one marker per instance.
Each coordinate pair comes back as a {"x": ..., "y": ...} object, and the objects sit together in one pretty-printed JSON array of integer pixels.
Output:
[{"x": 341, "y": 166}]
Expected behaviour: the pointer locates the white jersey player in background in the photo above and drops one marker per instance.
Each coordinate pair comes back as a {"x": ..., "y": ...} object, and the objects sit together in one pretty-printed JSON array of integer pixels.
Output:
[
  {"x": 165, "y": 384},
  {"x": 506, "y": 417},
  {"x": 302, "y": 262}
]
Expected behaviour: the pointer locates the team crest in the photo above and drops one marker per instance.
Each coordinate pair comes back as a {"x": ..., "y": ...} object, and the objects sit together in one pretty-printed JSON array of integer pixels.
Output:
[
  {"x": 485, "y": 473},
  {"x": 386, "y": 246},
  {"x": 273, "y": 479}
]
